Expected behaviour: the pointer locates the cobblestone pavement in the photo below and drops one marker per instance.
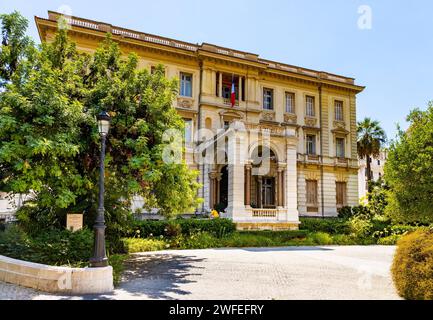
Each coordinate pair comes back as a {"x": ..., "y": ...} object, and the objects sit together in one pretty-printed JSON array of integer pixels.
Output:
[{"x": 345, "y": 272}]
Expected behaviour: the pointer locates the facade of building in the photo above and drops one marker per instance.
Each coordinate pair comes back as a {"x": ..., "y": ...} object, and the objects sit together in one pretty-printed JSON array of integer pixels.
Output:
[
  {"x": 301, "y": 122},
  {"x": 377, "y": 166}
]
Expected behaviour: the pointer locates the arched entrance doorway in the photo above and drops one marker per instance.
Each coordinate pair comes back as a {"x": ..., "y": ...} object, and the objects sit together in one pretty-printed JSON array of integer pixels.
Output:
[{"x": 264, "y": 183}]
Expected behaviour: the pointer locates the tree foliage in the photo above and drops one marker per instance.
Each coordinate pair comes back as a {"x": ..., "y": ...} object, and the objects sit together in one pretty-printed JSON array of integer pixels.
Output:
[
  {"x": 371, "y": 138},
  {"x": 49, "y": 141},
  {"x": 409, "y": 170}
]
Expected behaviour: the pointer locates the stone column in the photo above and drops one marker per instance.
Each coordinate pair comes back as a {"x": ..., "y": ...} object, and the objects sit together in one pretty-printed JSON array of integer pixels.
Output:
[
  {"x": 236, "y": 185},
  {"x": 217, "y": 186},
  {"x": 259, "y": 191},
  {"x": 248, "y": 168},
  {"x": 220, "y": 84},
  {"x": 240, "y": 88},
  {"x": 291, "y": 182},
  {"x": 280, "y": 185},
  {"x": 213, "y": 189}
]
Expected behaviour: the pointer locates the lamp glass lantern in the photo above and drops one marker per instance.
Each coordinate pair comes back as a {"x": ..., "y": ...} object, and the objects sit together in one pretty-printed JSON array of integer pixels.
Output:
[{"x": 104, "y": 120}]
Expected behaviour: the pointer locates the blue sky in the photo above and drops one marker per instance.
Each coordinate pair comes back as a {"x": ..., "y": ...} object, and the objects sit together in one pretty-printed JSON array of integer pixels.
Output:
[{"x": 393, "y": 59}]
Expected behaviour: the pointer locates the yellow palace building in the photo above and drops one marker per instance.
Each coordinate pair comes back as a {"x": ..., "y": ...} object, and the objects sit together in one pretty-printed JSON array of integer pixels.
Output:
[{"x": 296, "y": 123}]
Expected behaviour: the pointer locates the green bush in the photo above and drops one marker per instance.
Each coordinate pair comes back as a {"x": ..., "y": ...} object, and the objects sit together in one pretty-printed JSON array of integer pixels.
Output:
[
  {"x": 328, "y": 225},
  {"x": 199, "y": 240},
  {"x": 217, "y": 227},
  {"x": 134, "y": 245},
  {"x": 349, "y": 212},
  {"x": 360, "y": 227},
  {"x": 344, "y": 240},
  {"x": 53, "y": 247},
  {"x": 265, "y": 239},
  {"x": 173, "y": 229},
  {"x": 117, "y": 262},
  {"x": 402, "y": 229},
  {"x": 389, "y": 240},
  {"x": 321, "y": 238},
  {"x": 412, "y": 268}
]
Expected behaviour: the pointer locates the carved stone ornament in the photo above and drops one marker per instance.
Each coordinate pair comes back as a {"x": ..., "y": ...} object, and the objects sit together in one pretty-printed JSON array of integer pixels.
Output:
[
  {"x": 290, "y": 118},
  {"x": 268, "y": 116},
  {"x": 185, "y": 103},
  {"x": 339, "y": 125},
  {"x": 310, "y": 122}
]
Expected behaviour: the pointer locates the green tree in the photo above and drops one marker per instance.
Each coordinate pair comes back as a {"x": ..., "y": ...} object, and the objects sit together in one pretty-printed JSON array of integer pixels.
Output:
[
  {"x": 15, "y": 45},
  {"x": 409, "y": 170},
  {"x": 371, "y": 138},
  {"x": 377, "y": 197},
  {"x": 49, "y": 144}
]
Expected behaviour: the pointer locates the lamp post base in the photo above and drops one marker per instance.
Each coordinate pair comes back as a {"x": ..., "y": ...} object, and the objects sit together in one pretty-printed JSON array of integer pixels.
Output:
[
  {"x": 98, "y": 263},
  {"x": 100, "y": 258}
]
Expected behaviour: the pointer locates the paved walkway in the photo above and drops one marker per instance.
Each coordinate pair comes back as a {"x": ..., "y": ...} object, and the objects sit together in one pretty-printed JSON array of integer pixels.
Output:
[{"x": 345, "y": 272}]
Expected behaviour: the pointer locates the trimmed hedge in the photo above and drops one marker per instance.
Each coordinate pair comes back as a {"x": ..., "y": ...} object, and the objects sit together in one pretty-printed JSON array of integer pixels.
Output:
[
  {"x": 217, "y": 227},
  {"x": 328, "y": 225},
  {"x": 52, "y": 247},
  {"x": 412, "y": 268}
]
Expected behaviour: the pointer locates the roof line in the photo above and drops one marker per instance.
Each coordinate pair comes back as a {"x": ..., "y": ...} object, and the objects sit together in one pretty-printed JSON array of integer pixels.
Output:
[{"x": 179, "y": 44}]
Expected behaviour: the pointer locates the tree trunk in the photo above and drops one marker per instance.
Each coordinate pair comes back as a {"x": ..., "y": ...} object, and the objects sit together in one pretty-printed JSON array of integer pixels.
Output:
[{"x": 368, "y": 173}]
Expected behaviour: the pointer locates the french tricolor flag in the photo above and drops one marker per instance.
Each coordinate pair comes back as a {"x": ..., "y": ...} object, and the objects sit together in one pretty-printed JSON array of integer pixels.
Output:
[{"x": 233, "y": 93}]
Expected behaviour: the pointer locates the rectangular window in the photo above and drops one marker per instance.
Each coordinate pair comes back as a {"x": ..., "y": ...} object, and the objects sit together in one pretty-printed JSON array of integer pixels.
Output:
[
  {"x": 340, "y": 147},
  {"x": 185, "y": 84},
  {"x": 290, "y": 102},
  {"x": 268, "y": 99},
  {"x": 339, "y": 111},
  {"x": 309, "y": 105},
  {"x": 341, "y": 194},
  {"x": 311, "y": 192},
  {"x": 311, "y": 144},
  {"x": 188, "y": 130}
]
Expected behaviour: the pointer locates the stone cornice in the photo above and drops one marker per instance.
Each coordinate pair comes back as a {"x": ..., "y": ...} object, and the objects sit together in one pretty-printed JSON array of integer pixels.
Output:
[{"x": 204, "y": 51}]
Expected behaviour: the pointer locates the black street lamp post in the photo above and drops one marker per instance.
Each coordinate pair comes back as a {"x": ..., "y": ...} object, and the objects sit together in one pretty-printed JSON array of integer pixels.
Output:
[{"x": 99, "y": 254}]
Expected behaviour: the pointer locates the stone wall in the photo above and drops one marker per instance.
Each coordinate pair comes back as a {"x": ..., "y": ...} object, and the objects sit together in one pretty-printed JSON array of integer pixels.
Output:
[{"x": 56, "y": 279}]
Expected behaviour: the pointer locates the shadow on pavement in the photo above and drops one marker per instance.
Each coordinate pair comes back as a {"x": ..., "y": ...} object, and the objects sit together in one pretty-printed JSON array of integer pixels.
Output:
[
  {"x": 280, "y": 249},
  {"x": 154, "y": 276}
]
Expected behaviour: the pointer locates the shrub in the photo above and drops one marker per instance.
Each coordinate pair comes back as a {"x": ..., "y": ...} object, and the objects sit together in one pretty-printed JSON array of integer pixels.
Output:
[
  {"x": 349, "y": 212},
  {"x": 345, "y": 212},
  {"x": 389, "y": 240},
  {"x": 199, "y": 240},
  {"x": 360, "y": 227},
  {"x": 412, "y": 268},
  {"x": 173, "y": 229},
  {"x": 402, "y": 229},
  {"x": 328, "y": 225},
  {"x": 344, "y": 240},
  {"x": 52, "y": 247},
  {"x": 217, "y": 227},
  {"x": 117, "y": 262},
  {"x": 247, "y": 239},
  {"x": 321, "y": 238},
  {"x": 134, "y": 245}
]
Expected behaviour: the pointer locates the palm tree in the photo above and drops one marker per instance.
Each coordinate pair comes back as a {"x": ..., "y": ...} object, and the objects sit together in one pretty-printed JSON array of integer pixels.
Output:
[{"x": 371, "y": 138}]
